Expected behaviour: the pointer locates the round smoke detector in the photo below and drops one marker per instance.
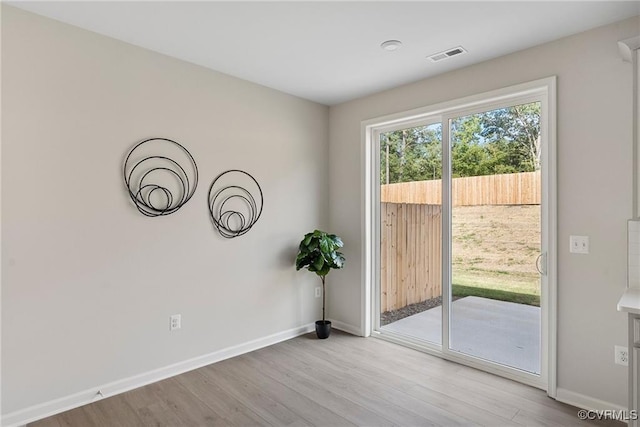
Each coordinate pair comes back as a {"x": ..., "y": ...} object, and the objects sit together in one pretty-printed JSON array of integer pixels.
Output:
[{"x": 391, "y": 45}]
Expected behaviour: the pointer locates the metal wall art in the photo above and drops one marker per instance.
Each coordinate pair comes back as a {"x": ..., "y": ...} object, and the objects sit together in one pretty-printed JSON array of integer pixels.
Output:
[
  {"x": 160, "y": 175},
  {"x": 235, "y": 202}
]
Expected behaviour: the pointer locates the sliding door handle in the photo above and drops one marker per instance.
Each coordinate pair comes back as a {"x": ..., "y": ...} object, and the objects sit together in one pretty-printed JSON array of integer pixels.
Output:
[{"x": 541, "y": 263}]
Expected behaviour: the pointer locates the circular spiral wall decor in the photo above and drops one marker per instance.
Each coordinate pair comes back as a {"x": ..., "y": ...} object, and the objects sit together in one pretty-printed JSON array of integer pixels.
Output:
[
  {"x": 160, "y": 175},
  {"x": 235, "y": 202}
]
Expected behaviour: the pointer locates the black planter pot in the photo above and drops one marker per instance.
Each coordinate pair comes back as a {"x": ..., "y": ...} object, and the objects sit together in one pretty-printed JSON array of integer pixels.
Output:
[{"x": 323, "y": 329}]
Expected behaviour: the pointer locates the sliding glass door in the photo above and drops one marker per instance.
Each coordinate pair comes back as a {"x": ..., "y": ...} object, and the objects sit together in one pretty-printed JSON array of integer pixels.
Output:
[
  {"x": 411, "y": 231},
  {"x": 462, "y": 237},
  {"x": 495, "y": 236}
]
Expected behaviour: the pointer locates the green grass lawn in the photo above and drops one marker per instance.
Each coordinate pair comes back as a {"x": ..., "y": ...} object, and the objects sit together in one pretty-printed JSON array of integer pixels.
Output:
[
  {"x": 518, "y": 288},
  {"x": 494, "y": 251},
  {"x": 466, "y": 291}
]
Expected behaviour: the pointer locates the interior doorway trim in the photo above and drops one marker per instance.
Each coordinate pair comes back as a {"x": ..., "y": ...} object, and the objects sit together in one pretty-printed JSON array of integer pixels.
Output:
[{"x": 546, "y": 89}]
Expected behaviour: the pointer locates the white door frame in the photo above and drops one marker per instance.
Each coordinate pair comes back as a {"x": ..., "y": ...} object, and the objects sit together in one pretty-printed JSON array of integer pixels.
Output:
[{"x": 544, "y": 91}]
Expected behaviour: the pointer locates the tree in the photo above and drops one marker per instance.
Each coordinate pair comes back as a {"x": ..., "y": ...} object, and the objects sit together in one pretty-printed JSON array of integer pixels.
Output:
[
  {"x": 505, "y": 140},
  {"x": 520, "y": 127},
  {"x": 414, "y": 154},
  {"x": 468, "y": 156}
]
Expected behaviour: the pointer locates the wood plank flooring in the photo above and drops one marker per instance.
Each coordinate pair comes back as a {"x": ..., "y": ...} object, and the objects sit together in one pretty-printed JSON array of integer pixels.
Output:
[{"x": 341, "y": 381}]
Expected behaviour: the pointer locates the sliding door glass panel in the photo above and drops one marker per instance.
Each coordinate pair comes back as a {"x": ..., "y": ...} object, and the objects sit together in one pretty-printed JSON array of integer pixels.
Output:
[
  {"x": 495, "y": 227},
  {"x": 411, "y": 232}
]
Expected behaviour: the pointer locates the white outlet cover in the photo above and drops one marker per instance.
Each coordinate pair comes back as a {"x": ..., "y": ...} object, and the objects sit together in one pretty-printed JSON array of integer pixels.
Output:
[
  {"x": 579, "y": 244},
  {"x": 175, "y": 322},
  {"x": 621, "y": 355}
]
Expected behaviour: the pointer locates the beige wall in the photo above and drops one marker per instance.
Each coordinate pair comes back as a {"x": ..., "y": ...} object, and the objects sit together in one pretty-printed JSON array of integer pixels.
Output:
[
  {"x": 88, "y": 283},
  {"x": 594, "y": 189}
]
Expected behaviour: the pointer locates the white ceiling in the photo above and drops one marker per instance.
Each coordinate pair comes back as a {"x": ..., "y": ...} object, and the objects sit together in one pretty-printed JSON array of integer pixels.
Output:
[{"x": 330, "y": 52}]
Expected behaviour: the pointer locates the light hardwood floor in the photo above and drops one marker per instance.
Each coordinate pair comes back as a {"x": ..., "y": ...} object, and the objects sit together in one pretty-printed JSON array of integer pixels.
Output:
[{"x": 341, "y": 381}]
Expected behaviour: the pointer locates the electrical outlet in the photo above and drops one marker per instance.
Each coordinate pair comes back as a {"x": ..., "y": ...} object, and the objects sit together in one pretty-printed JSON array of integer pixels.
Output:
[
  {"x": 318, "y": 292},
  {"x": 579, "y": 244},
  {"x": 175, "y": 322},
  {"x": 621, "y": 355}
]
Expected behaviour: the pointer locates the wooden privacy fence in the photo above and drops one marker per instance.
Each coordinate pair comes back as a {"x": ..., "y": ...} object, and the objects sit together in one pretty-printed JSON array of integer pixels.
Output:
[
  {"x": 410, "y": 254},
  {"x": 507, "y": 189}
]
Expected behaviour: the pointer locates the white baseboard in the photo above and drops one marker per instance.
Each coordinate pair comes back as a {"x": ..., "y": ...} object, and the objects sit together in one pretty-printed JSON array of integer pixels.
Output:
[
  {"x": 586, "y": 402},
  {"x": 345, "y": 327},
  {"x": 43, "y": 410}
]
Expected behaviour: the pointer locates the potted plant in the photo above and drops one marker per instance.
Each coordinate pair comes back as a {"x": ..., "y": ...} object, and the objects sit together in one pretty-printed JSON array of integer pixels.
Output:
[{"x": 318, "y": 252}]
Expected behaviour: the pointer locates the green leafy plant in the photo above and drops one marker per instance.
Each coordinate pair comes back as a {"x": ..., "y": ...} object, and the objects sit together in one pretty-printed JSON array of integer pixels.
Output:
[{"x": 318, "y": 252}]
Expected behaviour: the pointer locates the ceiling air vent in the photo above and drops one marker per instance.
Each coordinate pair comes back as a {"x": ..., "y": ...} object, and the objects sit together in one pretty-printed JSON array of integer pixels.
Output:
[{"x": 447, "y": 54}]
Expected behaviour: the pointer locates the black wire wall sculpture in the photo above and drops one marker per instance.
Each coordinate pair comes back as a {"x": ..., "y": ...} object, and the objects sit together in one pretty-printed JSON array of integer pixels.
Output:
[
  {"x": 232, "y": 205},
  {"x": 158, "y": 184}
]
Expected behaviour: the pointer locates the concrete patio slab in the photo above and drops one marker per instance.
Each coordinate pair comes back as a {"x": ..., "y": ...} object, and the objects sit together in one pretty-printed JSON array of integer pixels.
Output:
[{"x": 499, "y": 331}]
